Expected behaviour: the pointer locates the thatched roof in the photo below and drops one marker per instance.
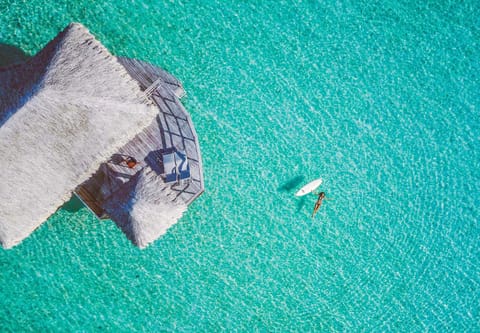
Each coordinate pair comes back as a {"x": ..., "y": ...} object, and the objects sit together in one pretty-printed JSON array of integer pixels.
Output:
[
  {"x": 143, "y": 210},
  {"x": 62, "y": 113}
]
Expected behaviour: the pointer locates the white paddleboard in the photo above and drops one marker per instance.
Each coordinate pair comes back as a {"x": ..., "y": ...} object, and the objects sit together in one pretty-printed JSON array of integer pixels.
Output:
[{"x": 310, "y": 187}]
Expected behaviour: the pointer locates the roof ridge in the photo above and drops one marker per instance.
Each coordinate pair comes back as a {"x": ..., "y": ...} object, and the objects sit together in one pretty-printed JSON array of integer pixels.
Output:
[
  {"x": 76, "y": 31},
  {"x": 65, "y": 55}
]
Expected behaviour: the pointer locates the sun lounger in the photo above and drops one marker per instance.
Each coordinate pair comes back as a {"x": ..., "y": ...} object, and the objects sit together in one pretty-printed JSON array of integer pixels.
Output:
[{"x": 175, "y": 166}]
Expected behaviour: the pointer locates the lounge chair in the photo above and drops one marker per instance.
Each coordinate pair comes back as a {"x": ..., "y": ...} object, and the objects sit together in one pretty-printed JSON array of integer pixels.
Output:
[{"x": 175, "y": 166}]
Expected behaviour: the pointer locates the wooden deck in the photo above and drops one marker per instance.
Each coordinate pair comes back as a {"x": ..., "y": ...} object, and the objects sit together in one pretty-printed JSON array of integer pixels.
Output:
[{"x": 172, "y": 128}]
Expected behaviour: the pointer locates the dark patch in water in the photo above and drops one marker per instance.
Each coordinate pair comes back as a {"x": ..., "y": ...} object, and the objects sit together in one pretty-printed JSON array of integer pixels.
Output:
[
  {"x": 73, "y": 205},
  {"x": 10, "y": 55},
  {"x": 289, "y": 185},
  {"x": 301, "y": 203}
]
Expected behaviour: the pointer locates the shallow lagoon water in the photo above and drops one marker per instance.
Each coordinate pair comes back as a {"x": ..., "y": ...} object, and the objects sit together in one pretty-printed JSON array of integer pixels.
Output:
[{"x": 380, "y": 99}]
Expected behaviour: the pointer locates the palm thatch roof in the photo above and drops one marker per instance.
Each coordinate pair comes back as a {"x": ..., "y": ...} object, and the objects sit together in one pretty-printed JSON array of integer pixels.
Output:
[{"x": 62, "y": 113}]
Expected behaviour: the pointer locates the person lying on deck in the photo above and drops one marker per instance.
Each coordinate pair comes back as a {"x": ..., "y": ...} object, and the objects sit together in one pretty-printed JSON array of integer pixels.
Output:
[{"x": 131, "y": 162}]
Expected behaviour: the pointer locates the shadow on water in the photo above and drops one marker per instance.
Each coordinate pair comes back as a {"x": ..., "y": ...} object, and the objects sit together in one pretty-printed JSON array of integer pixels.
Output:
[
  {"x": 73, "y": 205},
  {"x": 10, "y": 54},
  {"x": 302, "y": 201},
  {"x": 290, "y": 184}
]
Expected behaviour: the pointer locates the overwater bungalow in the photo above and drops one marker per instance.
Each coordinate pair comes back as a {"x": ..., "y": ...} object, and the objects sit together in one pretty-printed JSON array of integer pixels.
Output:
[{"x": 76, "y": 119}]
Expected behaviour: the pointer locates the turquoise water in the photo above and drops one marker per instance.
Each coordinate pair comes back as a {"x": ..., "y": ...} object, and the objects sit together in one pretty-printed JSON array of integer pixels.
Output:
[{"x": 380, "y": 99}]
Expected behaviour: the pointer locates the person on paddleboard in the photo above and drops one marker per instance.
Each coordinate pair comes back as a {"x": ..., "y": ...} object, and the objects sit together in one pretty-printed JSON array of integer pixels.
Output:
[{"x": 321, "y": 196}]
